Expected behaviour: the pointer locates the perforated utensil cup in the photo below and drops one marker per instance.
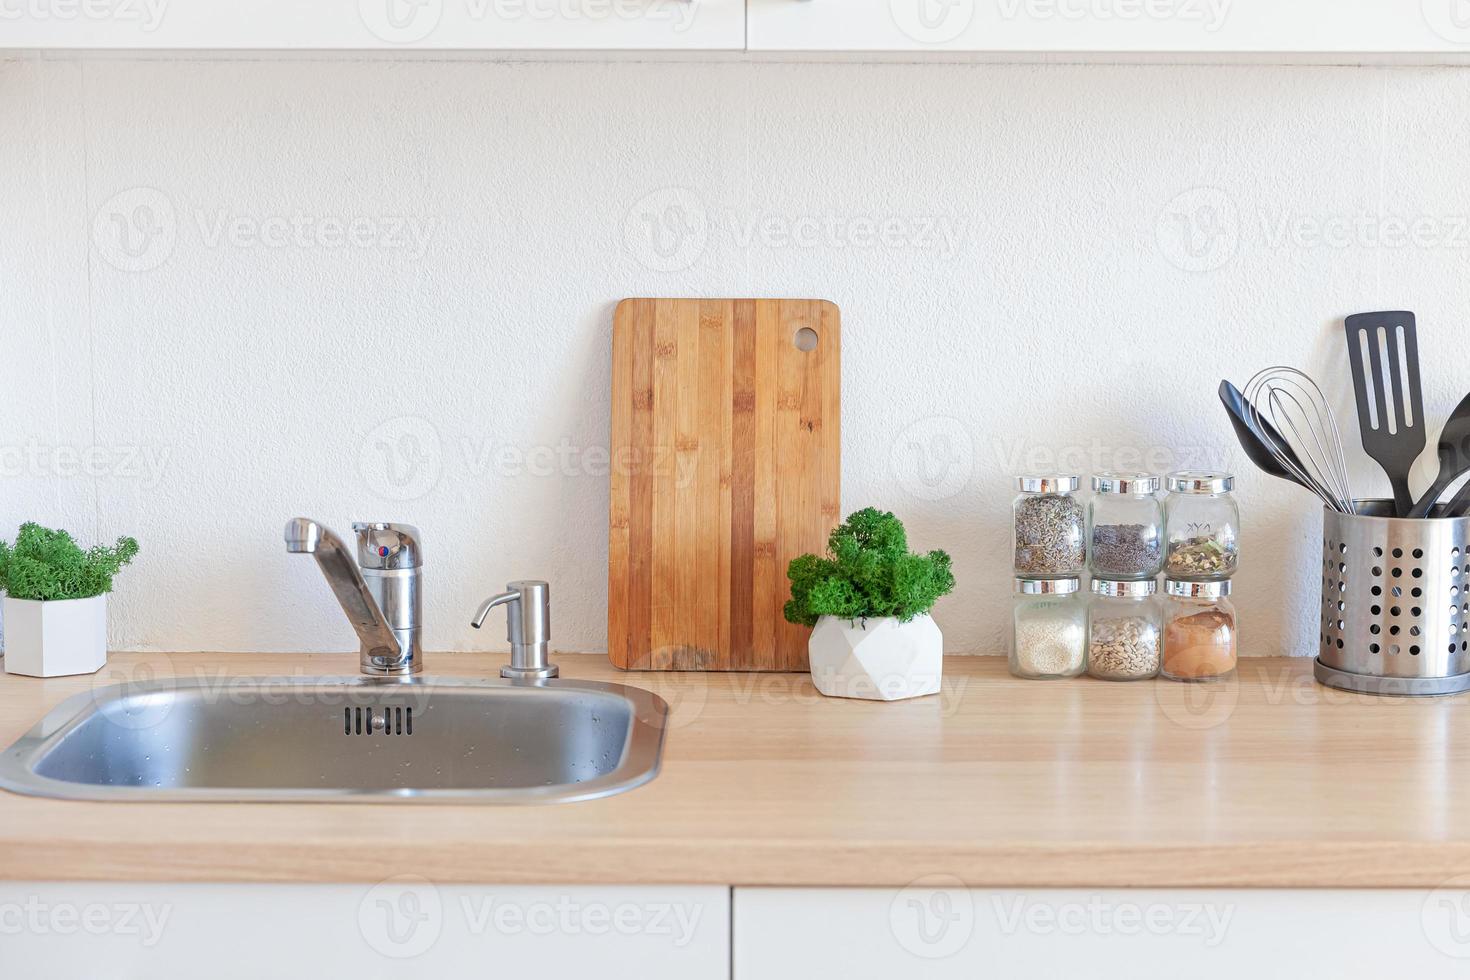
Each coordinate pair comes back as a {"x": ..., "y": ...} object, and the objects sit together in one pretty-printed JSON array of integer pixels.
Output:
[{"x": 1395, "y": 612}]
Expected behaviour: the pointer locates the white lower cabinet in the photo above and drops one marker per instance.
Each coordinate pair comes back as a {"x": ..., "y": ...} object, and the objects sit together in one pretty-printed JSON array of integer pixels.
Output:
[
  {"x": 935, "y": 929},
  {"x": 401, "y": 927},
  {"x": 406, "y": 927}
]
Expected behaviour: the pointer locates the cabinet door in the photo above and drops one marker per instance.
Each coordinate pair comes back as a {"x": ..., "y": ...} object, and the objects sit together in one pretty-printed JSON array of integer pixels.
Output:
[
  {"x": 934, "y": 931},
  {"x": 373, "y": 24},
  {"x": 403, "y": 927},
  {"x": 1112, "y": 26}
]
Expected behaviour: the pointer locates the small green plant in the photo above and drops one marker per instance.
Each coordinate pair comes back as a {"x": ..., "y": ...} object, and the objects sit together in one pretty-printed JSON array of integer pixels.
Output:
[
  {"x": 867, "y": 573},
  {"x": 48, "y": 565}
]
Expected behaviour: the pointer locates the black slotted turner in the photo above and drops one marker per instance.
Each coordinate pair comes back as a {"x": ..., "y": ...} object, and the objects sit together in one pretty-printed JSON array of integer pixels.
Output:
[{"x": 1384, "y": 351}]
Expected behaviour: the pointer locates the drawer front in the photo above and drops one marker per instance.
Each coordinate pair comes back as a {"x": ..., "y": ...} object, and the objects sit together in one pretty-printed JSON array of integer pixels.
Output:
[
  {"x": 486, "y": 25},
  {"x": 1123, "y": 26},
  {"x": 401, "y": 927},
  {"x": 936, "y": 930}
]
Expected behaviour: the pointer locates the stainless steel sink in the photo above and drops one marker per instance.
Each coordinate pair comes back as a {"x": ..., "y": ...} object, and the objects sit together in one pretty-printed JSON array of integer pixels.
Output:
[{"x": 358, "y": 739}]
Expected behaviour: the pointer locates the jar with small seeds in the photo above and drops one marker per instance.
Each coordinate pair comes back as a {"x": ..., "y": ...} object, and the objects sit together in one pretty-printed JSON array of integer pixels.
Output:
[
  {"x": 1050, "y": 528},
  {"x": 1126, "y": 527},
  {"x": 1199, "y": 631},
  {"x": 1125, "y": 633},
  {"x": 1203, "y": 522},
  {"x": 1048, "y": 629}
]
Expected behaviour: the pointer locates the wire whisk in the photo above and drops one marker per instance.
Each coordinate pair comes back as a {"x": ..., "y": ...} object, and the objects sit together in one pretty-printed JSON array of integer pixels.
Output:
[{"x": 1303, "y": 434}]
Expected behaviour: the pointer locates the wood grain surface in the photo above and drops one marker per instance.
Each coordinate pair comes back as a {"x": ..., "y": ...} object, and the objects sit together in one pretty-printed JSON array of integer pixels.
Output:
[
  {"x": 1269, "y": 781},
  {"x": 726, "y": 464}
]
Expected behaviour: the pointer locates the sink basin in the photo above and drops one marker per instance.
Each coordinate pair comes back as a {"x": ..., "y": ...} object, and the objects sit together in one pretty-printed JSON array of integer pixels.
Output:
[{"x": 344, "y": 739}]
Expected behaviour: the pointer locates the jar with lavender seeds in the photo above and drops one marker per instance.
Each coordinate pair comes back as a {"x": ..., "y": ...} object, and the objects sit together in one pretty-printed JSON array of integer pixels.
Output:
[
  {"x": 1127, "y": 527},
  {"x": 1050, "y": 528},
  {"x": 1125, "y": 630}
]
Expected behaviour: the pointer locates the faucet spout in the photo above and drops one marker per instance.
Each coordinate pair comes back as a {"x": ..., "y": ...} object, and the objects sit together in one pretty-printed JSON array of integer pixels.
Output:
[
  {"x": 384, "y": 650},
  {"x": 303, "y": 536}
]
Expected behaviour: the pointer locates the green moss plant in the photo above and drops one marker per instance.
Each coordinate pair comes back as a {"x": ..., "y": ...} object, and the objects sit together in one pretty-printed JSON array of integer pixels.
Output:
[
  {"x": 867, "y": 573},
  {"x": 49, "y": 566}
]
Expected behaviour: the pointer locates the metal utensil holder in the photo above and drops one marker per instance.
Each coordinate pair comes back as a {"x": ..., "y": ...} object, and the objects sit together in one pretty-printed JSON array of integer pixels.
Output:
[{"x": 1395, "y": 610}]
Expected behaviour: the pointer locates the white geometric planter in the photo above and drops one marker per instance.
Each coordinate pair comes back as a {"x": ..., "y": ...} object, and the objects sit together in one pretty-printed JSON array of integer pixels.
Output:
[
  {"x": 55, "y": 639},
  {"x": 876, "y": 659}
]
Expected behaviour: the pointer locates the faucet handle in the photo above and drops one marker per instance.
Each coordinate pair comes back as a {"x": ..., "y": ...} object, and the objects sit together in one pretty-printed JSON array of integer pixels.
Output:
[
  {"x": 528, "y": 628},
  {"x": 387, "y": 547}
]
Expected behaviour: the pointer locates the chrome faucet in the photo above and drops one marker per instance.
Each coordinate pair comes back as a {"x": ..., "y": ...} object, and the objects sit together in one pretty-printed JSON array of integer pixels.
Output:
[
  {"x": 527, "y": 626},
  {"x": 379, "y": 591}
]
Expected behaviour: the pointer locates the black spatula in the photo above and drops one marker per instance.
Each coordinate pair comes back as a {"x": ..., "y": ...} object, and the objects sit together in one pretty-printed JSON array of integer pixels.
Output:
[
  {"x": 1257, "y": 443},
  {"x": 1384, "y": 351}
]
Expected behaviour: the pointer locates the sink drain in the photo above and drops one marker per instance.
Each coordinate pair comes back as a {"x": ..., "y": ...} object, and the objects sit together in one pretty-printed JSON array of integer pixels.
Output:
[{"x": 388, "y": 721}]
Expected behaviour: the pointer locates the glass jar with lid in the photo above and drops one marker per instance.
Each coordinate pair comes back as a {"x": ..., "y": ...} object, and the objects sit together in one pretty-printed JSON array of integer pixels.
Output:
[
  {"x": 1199, "y": 631},
  {"x": 1127, "y": 527},
  {"x": 1203, "y": 522},
  {"x": 1048, "y": 629},
  {"x": 1125, "y": 630},
  {"x": 1050, "y": 528}
]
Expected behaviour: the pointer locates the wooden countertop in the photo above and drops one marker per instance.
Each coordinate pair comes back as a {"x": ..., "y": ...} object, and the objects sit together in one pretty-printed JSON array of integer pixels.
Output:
[{"x": 1271, "y": 781}]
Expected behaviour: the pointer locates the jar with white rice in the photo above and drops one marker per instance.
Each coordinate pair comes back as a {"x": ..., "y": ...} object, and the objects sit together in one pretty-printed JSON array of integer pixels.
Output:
[{"x": 1048, "y": 629}]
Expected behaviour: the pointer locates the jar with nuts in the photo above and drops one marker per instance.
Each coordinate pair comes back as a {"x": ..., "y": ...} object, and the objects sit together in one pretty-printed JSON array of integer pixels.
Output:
[
  {"x": 1124, "y": 630},
  {"x": 1203, "y": 523}
]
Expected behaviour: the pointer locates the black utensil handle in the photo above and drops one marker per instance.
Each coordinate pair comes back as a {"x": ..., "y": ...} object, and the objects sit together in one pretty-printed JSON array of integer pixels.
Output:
[
  {"x": 1403, "y": 497},
  {"x": 1459, "y": 504},
  {"x": 1431, "y": 496}
]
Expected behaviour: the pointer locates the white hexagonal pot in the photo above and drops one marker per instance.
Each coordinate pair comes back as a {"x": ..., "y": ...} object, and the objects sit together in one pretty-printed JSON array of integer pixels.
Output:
[
  {"x": 55, "y": 639},
  {"x": 876, "y": 659}
]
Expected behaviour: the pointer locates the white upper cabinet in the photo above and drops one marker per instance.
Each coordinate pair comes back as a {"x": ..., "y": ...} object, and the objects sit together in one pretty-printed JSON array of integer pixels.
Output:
[
  {"x": 1126, "y": 27},
  {"x": 356, "y": 25}
]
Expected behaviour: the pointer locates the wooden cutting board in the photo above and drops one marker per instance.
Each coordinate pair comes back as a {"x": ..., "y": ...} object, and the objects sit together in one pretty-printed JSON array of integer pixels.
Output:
[{"x": 726, "y": 464}]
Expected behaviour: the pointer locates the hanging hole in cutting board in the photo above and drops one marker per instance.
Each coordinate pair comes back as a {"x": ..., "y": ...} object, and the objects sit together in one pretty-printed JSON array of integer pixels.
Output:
[{"x": 805, "y": 339}]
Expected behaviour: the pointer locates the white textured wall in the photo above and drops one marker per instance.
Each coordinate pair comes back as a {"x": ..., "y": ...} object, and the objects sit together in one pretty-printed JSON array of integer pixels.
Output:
[{"x": 1010, "y": 256}]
